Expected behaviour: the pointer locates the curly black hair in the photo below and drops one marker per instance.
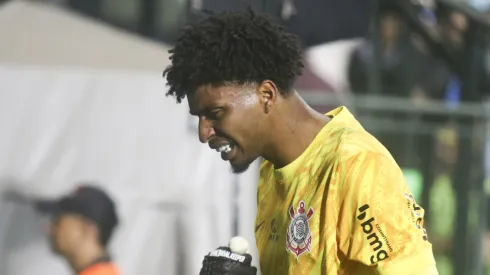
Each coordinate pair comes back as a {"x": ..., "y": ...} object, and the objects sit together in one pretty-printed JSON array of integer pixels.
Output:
[{"x": 233, "y": 47}]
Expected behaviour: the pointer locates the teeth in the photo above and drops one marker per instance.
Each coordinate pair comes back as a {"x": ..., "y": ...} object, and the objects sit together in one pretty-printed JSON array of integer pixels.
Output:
[{"x": 224, "y": 148}]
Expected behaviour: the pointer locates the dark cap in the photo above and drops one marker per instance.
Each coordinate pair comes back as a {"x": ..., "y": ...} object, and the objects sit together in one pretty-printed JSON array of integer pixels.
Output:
[{"x": 89, "y": 202}]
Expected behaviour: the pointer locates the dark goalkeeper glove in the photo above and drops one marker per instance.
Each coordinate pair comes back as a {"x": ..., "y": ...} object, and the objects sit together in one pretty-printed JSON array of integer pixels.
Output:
[{"x": 224, "y": 262}]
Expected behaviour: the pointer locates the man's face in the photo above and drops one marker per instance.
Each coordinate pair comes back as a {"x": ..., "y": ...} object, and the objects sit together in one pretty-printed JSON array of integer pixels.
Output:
[
  {"x": 231, "y": 120},
  {"x": 390, "y": 27},
  {"x": 66, "y": 233}
]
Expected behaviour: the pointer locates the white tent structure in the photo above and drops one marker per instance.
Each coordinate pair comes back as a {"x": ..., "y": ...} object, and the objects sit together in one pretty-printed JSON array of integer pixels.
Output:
[
  {"x": 80, "y": 100},
  {"x": 37, "y": 33}
]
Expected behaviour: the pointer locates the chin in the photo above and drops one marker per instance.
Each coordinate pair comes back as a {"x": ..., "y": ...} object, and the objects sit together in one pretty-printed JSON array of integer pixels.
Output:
[{"x": 240, "y": 167}]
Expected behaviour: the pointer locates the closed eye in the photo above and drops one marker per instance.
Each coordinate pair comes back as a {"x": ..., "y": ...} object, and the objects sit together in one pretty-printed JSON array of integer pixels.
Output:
[{"x": 215, "y": 114}]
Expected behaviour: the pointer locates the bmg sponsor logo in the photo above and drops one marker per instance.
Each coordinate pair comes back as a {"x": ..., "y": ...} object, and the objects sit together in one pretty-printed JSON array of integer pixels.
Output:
[{"x": 368, "y": 226}]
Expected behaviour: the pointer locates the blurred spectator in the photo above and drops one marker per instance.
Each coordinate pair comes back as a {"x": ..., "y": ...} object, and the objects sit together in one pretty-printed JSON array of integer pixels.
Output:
[
  {"x": 397, "y": 62},
  {"x": 81, "y": 227},
  {"x": 454, "y": 26}
]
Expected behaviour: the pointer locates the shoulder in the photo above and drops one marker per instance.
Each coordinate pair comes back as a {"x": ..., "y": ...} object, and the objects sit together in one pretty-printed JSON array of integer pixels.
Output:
[
  {"x": 353, "y": 142},
  {"x": 266, "y": 165},
  {"x": 101, "y": 269},
  {"x": 266, "y": 174},
  {"x": 358, "y": 154},
  {"x": 266, "y": 169}
]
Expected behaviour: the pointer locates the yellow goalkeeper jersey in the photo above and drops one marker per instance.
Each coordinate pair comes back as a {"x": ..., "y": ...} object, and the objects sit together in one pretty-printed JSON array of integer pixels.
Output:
[{"x": 342, "y": 207}]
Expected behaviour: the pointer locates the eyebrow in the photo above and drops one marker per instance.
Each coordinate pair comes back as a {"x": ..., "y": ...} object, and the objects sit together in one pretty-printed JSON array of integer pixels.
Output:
[{"x": 204, "y": 110}]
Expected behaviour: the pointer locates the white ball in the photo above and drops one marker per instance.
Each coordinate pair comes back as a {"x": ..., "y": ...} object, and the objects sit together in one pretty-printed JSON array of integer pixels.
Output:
[{"x": 239, "y": 245}]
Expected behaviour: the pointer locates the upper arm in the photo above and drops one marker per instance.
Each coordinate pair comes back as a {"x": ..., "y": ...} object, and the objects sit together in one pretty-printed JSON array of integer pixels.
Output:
[{"x": 382, "y": 223}]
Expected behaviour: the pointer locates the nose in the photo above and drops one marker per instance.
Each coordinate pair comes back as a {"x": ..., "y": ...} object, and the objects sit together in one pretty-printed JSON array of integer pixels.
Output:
[{"x": 206, "y": 129}]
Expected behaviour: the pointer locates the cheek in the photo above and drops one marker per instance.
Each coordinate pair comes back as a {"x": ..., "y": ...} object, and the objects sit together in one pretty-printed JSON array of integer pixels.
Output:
[
  {"x": 245, "y": 134},
  {"x": 238, "y": 129},
  {"x": 243, "y": 125},
  {"x": 252, "y": 127},
  {"x": 68, "y": 236}
]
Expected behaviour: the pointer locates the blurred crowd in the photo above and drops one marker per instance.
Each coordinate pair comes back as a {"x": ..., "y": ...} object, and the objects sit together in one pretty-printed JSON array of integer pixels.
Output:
[
  {"x": 406, "y": 66},
  {"x": 408, "y": 69}
]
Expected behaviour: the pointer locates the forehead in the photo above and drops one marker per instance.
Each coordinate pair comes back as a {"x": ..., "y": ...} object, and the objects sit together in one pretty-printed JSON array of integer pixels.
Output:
[
  {"x": 69, "y": 219},
  {"x": 207, "y": 97}
]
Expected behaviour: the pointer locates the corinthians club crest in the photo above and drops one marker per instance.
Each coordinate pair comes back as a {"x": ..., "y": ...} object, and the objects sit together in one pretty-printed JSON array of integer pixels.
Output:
[{"x": 298, "y": 239}]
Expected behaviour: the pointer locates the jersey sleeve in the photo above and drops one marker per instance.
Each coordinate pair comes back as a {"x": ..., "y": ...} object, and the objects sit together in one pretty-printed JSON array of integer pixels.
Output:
[{"x": 380, "y": 223}]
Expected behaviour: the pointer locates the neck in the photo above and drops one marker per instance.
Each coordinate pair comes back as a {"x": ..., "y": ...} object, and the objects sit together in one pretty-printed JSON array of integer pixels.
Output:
[
  {"x": 294, "y": 128},
  {"x": 86, "y": 256}
]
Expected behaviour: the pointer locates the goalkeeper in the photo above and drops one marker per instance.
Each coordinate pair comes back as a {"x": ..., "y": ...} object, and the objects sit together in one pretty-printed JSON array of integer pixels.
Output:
[{"x": 331, "y": 199}]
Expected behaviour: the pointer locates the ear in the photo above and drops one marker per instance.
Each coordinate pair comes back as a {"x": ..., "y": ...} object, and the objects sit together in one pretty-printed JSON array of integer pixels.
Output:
[{"x": 268, "y": 94}]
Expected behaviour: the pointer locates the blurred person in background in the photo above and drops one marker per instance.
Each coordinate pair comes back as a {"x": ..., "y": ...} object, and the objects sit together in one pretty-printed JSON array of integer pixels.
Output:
[
  {"x": 454, "y": 26},
  {"x": 399, "y": 65},
  {"x": 81, "y": 227},
  {"x": 442, "y": 196},
  {"x": 397, "y": 62}
]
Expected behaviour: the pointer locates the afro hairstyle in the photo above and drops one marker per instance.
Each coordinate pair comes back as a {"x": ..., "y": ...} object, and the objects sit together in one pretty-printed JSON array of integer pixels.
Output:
[{"x": 233, "y": 48}]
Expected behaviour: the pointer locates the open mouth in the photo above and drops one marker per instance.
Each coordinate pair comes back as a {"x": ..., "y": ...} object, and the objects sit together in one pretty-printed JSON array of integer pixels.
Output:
[
  {"x": 227, "y": 151},
  {"x": 224, "y": 149}
]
